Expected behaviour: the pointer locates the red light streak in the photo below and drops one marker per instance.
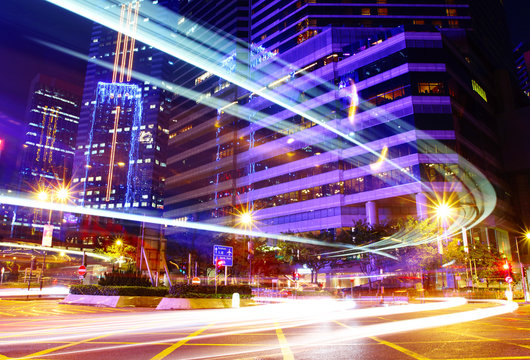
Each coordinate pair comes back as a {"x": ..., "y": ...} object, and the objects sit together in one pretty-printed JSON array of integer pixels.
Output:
[
  {"x": 125, "y": 44},
  {"x": 118, "y": 46},
  {"x": 131, "y": 51}
]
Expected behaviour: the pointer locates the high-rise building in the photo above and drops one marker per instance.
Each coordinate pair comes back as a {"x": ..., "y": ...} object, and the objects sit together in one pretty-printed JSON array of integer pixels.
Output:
[
  {"x": 47, "y": 155},
  {"x": 120, "y": 155},
  {"x": 49, "y": 139},
  {"x": 522, "y": 66},
  {"x": 409, "y": 80}
]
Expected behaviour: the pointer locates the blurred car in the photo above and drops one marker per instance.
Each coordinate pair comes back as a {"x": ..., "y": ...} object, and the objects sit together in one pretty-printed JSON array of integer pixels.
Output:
[
  {"x": 286, "y": 292},
  {"x": 310, "y": 287}
]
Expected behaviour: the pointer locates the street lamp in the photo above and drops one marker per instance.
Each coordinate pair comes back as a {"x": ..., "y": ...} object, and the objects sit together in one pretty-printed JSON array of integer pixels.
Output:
[
  {"x": 42, "y": 195},
  {"x": 523, "y": 278},
  {"x": 443, "y": 212},
  {"x": 245, "y": 218}
]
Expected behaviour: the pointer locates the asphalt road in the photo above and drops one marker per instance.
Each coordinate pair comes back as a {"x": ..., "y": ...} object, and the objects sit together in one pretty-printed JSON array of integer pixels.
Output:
[{"x": 42, "y": 329}]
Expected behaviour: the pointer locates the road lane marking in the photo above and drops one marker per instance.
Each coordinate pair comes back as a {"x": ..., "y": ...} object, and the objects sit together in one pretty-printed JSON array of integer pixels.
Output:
[
  {"x": 6, "y": 314},
  {"x": 496, "y": 358},
  {"x": 175, "y": 346},
  {"x": 2, "y": 357},
  {"x": 195, "y": 344},
  {"x": 391, "y": 345},
  {"x": 502, "y": 341},
  {"x": 401, "y": 349},
  {"x": 284, "y": 345},
  {"x": 50, "y": 350}
]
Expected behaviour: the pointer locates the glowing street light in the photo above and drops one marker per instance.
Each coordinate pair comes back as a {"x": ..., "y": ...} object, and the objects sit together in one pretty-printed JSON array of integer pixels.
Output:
[
  {"x": 246, "y": 219},
  {"x": 42, "y": 195},
  {"x": 63, "y": 194},
  {"x": 443, "y": 211},
  {"x": 119, "y": 242}
]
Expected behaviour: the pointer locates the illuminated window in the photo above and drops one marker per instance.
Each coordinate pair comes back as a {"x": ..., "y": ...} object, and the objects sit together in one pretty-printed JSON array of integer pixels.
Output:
[
  {"x": 436, "y": 88},
  {"x": 365, "y": 11},
  {"x": 382, "y": 11},
  {"x": 203, "y": 77},
  {"x": 451, "y": 12}
]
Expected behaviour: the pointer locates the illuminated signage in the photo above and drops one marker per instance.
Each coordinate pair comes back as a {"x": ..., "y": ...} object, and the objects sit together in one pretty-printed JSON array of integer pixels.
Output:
[{"x": 479, "y": 90}]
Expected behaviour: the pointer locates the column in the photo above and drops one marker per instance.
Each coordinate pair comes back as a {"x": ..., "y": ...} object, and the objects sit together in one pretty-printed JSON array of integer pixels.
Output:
[
  {"x": 371, "y": 213},
  {"x": 421, "y": 206}
]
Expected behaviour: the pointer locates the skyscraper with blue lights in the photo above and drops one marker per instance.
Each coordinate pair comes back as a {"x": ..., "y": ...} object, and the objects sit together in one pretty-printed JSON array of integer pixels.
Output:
[{"x": 120, "y": 155}]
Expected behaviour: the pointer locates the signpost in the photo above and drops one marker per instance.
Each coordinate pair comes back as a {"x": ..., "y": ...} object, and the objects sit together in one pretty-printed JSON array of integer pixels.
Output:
[
  {"x": 82, "y": 270},
  {"x": 47, "y": 235},
  {"x": 224, "y": 254},
  {"x": 195, "y": 281}
]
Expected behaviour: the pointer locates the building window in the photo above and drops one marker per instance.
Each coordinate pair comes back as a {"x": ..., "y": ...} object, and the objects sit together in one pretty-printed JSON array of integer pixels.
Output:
[
  {"x": 436, "y": 88},
  {"x": 365, "y": 11}
]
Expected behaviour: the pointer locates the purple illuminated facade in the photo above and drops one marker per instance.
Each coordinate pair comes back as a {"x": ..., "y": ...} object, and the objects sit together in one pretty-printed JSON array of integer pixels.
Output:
[{"x": 425, "y": 97}]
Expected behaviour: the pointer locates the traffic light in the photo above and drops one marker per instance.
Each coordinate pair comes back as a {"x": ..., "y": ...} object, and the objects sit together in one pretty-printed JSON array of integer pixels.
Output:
[
  {"x": 507, "y": 268},
  {"x": 219, "y": 264},
  {"x": 296, "y": 276}
]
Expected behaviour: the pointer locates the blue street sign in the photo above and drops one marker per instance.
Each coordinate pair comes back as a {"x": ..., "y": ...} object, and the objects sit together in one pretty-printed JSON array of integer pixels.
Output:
[{"x": 225, "y": 253}]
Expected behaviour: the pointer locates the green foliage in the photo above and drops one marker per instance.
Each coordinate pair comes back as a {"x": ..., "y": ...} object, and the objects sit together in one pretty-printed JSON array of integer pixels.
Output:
[
  {"x": 185, "y": 291},
  {"x": 193, "y": 295},
  {"x": 487, "y": 261},
  {"x": 123, "y": 253},
  {"x": 308, "y": 254},
  {"x": 118, "y": 290},
  {"x": 313, "y": 293},
  {"x": 127, "y": 279}
]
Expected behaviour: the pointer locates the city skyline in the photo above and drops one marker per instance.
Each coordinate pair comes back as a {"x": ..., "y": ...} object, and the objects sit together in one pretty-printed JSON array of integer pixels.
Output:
[{"x": 315, "y": 179}]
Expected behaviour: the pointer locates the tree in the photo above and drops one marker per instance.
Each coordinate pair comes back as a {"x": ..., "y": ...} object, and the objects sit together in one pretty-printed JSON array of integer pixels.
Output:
[
  {"x": 124, "y": 254},
  {"x": 362, "y": 234},
  {"x": 265, "y": 261},
  {"x": 487, "y": 262},
  {"x": 307, "y": 254}
]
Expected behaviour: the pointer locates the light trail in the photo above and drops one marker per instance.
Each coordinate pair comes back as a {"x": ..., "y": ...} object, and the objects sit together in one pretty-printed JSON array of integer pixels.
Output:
[
  {"x": 406, "y": 237},
  {"x": 251, "y": 320},
  {"x": 57, "y": 250},
  {"x": 24, "y": 202},
  {"x": 194, "y": 49},
  {"x": 354, "y": 103},
  {"x": 54, "y": 290},
  {"x": 188, "y": 41}
]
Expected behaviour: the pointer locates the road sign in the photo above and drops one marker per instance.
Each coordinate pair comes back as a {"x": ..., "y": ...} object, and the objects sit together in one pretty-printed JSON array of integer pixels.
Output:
[
  {"x": 508, "y": 279},
  {"x": 82, "y": 270},
  {"x": 196, "y": 281},
  {"x": 225, "y": 253},
  {"x": 47, "y": 235}
]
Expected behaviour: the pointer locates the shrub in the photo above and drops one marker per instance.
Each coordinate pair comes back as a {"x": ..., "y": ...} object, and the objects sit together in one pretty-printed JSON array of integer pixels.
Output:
[
  {"x": 127, "y": 279},
  {"x": 118, "y": 290},
  {"x": 184, "y": 290},
  {"x": 192, "y": 295}
]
